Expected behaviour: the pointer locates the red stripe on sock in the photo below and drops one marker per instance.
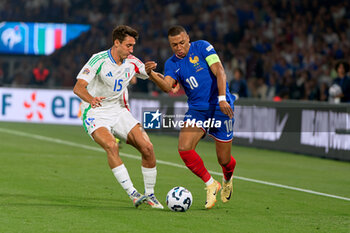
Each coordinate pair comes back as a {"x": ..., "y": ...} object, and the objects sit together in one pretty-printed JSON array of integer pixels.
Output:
[
  {"x": 229, "y": 168},
  {"x": 195, "y": 163}
]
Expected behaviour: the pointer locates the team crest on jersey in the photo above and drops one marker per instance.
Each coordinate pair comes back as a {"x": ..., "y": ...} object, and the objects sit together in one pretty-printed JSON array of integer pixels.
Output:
[
  {"x": 195, "y": 62},
  {"x": 86, "y": 71}
]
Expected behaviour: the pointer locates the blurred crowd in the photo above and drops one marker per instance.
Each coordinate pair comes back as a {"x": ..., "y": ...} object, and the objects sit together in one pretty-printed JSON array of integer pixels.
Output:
[{"x": 271, "y": 49}]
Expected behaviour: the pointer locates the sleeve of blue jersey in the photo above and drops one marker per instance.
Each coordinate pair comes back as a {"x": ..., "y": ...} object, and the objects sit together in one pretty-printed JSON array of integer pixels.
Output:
[
  {"x": 169, "y": 69},
  {"x": 206, "y": 48}
]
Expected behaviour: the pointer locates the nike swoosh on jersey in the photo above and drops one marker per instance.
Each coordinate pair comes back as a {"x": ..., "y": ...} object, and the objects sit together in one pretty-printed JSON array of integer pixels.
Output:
[{"x": 177, "y": 70}]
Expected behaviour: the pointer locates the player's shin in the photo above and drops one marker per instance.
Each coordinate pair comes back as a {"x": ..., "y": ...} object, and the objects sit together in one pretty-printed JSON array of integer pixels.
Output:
[
  {"x": 122, "y": 175},
  {"x": 149, "y": 178},
  {"x": 195, "y": 163},
  {"x": 229, "y": 168}
]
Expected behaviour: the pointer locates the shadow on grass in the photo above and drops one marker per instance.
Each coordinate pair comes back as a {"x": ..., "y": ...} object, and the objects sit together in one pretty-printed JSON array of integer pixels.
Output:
[
  {"x": 89, "y": 203},
  {"x": 31, "y": 200}
]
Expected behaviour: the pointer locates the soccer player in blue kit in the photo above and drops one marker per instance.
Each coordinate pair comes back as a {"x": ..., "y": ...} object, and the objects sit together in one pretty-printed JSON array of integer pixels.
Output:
[{"x": 198, "y": 68}]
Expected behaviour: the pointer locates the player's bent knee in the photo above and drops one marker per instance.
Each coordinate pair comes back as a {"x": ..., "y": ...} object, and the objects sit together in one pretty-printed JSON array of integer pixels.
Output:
[
  {"x": 110, "y": 146},
  {"x": 185, "y": 147},
  {"x": 147, "y": 149}
]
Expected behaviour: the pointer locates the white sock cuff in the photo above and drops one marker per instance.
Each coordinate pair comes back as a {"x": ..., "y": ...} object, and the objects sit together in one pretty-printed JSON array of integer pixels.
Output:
[
  {"x": 118, "y": 169},
  {"x": 210, "y": 181},
  {"x": 148, "y": 170}
]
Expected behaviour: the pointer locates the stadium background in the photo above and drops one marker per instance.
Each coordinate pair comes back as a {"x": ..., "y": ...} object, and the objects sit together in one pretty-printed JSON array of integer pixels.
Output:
[{"x": 285, "y": 49}]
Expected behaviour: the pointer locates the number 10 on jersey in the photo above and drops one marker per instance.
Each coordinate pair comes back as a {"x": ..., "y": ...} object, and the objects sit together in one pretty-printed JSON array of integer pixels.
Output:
[{"x": 192, "y": 82}]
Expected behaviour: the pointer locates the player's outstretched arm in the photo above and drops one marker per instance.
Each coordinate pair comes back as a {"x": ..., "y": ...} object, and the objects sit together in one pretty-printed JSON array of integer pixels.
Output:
[
  {"x": 166, "y": 84},
  {"x": 80, "y": 90}
]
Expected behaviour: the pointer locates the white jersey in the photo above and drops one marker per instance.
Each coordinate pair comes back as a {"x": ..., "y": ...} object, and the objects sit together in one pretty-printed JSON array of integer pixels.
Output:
[{"x": 108, "y": 79}]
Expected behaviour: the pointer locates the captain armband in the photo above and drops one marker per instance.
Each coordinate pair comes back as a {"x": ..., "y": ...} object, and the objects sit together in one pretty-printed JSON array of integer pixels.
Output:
[{"x": 211, "y": 59}]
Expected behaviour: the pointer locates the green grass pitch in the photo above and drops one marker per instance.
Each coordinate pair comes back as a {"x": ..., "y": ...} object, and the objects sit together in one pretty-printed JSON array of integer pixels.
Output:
[{"x": 50, "y": 185}]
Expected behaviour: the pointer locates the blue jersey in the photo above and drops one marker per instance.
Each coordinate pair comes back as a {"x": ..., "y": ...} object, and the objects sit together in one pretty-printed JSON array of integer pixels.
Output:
[{"x": 194, "y": 74}]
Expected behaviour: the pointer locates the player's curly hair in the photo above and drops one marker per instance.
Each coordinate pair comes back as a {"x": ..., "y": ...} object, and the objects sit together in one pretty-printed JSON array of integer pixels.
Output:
[{"x": 121, "y": 31}]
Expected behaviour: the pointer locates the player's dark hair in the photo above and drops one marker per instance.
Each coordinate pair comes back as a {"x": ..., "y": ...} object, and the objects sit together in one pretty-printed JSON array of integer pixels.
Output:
[
  {"x": 121, "y": 31},
  {"x": 345, "y": 65},
  {"x": 176, "y": 30}
]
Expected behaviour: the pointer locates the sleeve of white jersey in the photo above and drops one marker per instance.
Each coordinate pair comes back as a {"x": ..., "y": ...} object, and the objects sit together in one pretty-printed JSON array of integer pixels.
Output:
[
  {"x": 139, "y": 67},
  {"x": 89, "y": 70},
  {"x": 142, "y": 74}
]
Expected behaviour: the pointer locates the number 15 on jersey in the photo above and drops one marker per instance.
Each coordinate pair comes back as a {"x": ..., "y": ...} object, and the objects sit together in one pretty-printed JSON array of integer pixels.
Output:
[{"x": 118, "y": 85}]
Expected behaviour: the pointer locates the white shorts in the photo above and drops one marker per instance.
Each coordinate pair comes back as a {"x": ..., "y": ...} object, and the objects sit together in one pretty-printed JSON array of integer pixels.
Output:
[{"x": 118, "y": 121}]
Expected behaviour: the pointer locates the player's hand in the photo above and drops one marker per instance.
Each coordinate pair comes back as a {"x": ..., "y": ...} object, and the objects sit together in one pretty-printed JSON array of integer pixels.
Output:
[
  {"x": 175, "y": 88},
  {"x": 149, "y": 66},
  {"x": 226, "y": 109},
  {"x": 96, "y": 102}
]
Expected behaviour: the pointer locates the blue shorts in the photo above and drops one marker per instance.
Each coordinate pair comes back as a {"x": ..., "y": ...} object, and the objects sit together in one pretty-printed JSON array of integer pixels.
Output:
[{"x": 212, "y": 121}]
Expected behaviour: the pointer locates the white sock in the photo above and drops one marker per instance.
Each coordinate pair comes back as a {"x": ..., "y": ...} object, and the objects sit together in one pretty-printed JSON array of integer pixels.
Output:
[
  {"x": 149, "y": 178},
  {"x": 210, "y": 181},
  {"x": 122, "y": 175}
]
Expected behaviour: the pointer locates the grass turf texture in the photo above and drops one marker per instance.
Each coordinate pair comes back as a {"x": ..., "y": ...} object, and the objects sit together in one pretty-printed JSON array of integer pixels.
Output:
[{"x": 50, "y": 187}]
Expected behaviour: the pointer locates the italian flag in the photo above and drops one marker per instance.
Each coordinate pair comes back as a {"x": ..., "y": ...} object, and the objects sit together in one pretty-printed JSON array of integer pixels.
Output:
[{"x": 49, "y": 38}]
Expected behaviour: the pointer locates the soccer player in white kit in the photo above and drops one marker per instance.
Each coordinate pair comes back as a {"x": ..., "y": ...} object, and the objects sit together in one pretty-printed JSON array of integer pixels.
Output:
[{"x": 102, "y": 84}]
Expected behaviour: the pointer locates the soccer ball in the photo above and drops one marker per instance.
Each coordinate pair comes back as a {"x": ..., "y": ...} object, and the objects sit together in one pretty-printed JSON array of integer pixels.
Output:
[{"x": 179, "y": 199}]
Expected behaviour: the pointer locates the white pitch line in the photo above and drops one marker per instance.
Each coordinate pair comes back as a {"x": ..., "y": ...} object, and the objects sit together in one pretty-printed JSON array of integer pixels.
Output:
[{"x": 59, "y": 141}]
